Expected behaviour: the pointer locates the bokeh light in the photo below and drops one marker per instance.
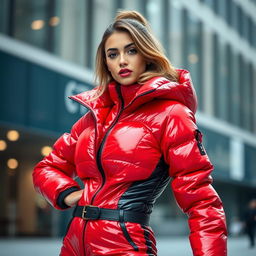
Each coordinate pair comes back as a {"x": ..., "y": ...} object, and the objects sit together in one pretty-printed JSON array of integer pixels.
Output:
[{"x": 13, "y": 135}]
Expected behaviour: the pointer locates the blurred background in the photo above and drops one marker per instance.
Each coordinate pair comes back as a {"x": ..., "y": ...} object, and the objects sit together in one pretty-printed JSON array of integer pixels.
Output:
[{"x": 47, "y": 51}]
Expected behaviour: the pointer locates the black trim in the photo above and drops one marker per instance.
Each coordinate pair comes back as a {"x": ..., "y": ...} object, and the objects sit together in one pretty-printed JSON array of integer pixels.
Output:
[
  {"x": 100, "y": 167},
  {"x": 148, "y": 241},
  {"x": 142, "y": 194},
  {"x": 125, "y": 231},
  {"x": 63, "y": 194},
  {"x": 200, "y": 146}
]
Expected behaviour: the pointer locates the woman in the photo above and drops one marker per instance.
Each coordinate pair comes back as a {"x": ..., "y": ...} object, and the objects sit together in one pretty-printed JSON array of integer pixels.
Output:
[{"x": 140, "y": 132}]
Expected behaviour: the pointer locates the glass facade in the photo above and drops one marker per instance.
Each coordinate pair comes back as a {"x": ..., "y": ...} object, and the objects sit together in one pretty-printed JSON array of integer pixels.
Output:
[
  {"x": 175, "y": 33},
  {"x": 192, "y": 51},
  {"x": 223, "y": 70},
  {"x": 221, "y": 92},
  {"x": 73, "y": 30}
]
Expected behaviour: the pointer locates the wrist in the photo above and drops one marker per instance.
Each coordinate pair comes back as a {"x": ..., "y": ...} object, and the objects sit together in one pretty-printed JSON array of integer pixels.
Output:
[{"x": 61, "y": 198}]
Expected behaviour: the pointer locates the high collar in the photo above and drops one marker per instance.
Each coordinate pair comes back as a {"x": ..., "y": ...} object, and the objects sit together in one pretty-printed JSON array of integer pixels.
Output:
[{"x": 157, "y": 87}]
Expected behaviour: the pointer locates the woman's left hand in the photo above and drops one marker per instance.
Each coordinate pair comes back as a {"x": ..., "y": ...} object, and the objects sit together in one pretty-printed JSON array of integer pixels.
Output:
[{"x": 73, "y": 198}]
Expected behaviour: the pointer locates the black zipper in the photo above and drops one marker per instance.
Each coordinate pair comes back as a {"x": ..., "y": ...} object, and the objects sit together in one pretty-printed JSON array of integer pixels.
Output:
[
  {"x": 98, "y": 157},
  {"x": 100, "y": 167},
  {"x": 99, "y": 163}
]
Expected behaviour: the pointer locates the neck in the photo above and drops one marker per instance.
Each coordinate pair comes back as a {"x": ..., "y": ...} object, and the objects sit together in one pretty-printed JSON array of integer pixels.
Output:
[{"x": 128, "y": 92}]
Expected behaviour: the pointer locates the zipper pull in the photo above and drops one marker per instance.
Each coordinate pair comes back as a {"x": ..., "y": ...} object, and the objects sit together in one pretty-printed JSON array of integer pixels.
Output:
[{"x": 199, "y": 139}]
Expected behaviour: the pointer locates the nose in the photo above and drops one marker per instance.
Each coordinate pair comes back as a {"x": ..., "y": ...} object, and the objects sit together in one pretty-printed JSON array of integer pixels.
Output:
[{"x": 122, "y": 60}]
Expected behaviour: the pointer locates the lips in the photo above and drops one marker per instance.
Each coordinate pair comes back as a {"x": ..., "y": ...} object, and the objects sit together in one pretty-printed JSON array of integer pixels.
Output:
[{"x": 124, "y": 72}]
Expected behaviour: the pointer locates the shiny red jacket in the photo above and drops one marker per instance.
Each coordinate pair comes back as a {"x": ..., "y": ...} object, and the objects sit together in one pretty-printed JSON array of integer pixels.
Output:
[{"x": 125, "y": 152}]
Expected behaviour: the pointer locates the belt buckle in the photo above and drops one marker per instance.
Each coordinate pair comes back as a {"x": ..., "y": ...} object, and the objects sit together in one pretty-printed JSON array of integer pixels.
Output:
[
  {"x": 84, "y": 212},
  {"x": 95, "y": 215}
]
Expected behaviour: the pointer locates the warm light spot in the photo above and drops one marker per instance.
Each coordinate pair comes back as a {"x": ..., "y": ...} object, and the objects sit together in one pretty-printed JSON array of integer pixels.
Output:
[
  {"x": 37, "y": 24},
  {"x": 193, "y": 58},
  {"x": 13, "y": 135},
  {"x": 46, "y": 150},
  {"x": 12, "y": 163},
  {"x": 3, "y": 145},
  {"x": 54, "y": 21}
]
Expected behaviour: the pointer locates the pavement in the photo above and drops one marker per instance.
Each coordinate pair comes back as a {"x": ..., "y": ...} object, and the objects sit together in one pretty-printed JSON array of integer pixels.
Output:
[{"x": 170, "y": 246}]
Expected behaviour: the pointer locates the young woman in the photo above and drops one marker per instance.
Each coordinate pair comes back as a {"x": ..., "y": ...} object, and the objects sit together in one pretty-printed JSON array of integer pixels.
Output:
[{"x": 138, "y": 134}]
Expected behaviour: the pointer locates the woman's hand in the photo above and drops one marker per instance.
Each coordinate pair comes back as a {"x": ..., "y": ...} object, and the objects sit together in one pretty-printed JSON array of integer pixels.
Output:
[{"x": 73, "y": 198}]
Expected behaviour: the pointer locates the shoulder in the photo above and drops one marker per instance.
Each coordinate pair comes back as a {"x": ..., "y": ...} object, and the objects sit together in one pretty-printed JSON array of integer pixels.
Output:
[
  {"x": 175, "y": 109},
  {"x": 85, "y": 121},
  {"x": 180, "y": 111},
  {"x": 181, "y": 123},
  {"x": 172, "y": 110}
]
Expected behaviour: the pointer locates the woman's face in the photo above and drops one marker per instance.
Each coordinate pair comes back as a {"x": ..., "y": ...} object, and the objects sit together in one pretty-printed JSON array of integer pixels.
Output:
[{"x": 123, "y": 60}]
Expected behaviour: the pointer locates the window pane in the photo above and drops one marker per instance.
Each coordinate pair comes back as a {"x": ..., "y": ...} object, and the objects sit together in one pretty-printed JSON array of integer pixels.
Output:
[
  {"x": 234, "y": 16},
  {"x": 192, "y": 56},
  {"x": 242, "y": 89},
  {"x": 222, "y": 8},
  {"x": 210, "y": 3},
  {"x": 235, "y": 94},
  {"x": 71, "y": 33},
  {"x": 134, "y": 5},
  {"x": 103, "y": 13},
  {"x": 245, "y": 28},
  {"x": 254, "y": 35},
  {"x": 31, "y": 22},
  {"x": 230, "y": 81},
  {"x": 252, "y": 104},
  {"x": 240, "y": 18},
  {"x": 220, "y": 79},
  {"x": 175, "y": 38},
  {"x": 250, "y": 31},
  {"x": 154, "y": 9},
  {"x": 245, "y": 89},
  {"x": 4, "y": 7},
  {"x": 253, "y": 101},
  {"x": 229, "y": 11}
]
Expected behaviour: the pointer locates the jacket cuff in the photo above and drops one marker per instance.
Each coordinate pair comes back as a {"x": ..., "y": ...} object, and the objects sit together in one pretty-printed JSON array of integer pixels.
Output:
[{"x": 63, "y": 194}]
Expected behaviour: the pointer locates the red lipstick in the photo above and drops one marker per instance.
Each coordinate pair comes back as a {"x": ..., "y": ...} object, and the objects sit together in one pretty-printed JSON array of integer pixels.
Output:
[{"x": 124, "y": 72}]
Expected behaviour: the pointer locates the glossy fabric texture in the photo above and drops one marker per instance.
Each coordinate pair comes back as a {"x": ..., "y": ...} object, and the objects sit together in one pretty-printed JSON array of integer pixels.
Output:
[{"x": 125, "y": 153}]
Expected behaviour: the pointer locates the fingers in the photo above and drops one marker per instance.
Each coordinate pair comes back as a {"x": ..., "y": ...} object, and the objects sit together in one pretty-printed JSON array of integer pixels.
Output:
[{"x": 73, "y": 198}]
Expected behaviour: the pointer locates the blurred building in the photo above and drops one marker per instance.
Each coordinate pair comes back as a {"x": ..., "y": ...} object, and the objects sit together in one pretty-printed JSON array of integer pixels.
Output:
[{"x": 47, "y": 51}]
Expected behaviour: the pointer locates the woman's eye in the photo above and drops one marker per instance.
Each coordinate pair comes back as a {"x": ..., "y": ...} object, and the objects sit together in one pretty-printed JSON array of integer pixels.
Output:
[
  {"x": 112, "y": 55},
  {"x": 132, "y": 51}
]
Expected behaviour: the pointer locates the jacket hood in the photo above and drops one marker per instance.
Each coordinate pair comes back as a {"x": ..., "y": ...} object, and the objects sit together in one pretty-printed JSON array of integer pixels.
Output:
[{"x": 157, "y": 87}]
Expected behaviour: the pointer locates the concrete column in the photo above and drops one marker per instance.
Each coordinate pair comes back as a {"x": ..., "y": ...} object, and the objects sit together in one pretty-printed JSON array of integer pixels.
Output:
[{"x": 26, "y": 207}]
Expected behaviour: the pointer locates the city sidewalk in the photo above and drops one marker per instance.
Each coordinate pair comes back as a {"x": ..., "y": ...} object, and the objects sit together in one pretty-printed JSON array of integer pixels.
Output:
[{"x": 166, "y": 247}]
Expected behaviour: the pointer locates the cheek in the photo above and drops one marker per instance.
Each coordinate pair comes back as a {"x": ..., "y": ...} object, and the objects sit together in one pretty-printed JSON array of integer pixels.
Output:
[
  {"x": 108, "y": 66},
  {"x": 112, "y": 70},
  {"x": 142, "y": 66}
]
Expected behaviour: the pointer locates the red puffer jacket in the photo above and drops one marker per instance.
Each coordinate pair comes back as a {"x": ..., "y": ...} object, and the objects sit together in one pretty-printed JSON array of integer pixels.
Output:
[{"x": 125, "y": 153}]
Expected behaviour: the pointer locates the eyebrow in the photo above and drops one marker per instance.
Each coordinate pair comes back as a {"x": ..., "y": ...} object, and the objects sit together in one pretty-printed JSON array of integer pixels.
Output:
[{"x": 114, "y": 49}]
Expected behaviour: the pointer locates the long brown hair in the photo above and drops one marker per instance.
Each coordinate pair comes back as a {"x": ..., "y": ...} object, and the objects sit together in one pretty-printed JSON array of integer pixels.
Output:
[{"x": 138, "y": 28}]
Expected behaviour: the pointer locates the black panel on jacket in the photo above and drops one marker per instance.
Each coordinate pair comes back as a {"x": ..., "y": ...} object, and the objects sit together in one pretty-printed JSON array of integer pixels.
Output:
[{"x": 141, "y": 195}]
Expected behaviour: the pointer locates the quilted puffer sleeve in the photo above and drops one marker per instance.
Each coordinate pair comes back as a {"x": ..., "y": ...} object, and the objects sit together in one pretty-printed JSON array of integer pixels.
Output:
[
  {"x": 190, "y": 169},
  {"x": 56, "y": 172}
]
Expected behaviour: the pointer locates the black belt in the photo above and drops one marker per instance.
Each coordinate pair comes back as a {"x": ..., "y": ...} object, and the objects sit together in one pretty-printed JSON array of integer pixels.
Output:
[{"x": 90, "y": 212}]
